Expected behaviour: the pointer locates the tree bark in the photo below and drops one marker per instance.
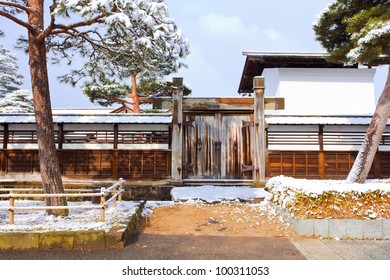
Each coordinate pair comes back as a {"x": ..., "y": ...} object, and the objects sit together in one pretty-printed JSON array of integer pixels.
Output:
[
  {"x": 134, "y": 94},
  {"x": 49, "y": 166},
  {"x": 364, "y": 159}
]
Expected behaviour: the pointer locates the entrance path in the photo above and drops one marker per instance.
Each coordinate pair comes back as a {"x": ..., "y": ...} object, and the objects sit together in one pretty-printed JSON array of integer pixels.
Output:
[{"x": 234, "y": 231}]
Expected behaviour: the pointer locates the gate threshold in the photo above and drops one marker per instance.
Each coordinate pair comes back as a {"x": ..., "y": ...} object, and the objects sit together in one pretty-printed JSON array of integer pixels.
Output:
[{"x": 217, "y": 182}]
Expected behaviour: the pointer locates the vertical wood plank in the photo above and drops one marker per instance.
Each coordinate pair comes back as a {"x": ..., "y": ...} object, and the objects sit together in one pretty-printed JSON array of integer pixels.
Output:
[
  {"x": 377, "y": 165},
  {"x": 321, "y": 164},
  {"x": 4, "y": 160},
  {"x": 177, "y": 131},
  {"x": 60, "y": 135},
  {"x": 259, "y": 165},
  {"x": 114, "y": 164}
]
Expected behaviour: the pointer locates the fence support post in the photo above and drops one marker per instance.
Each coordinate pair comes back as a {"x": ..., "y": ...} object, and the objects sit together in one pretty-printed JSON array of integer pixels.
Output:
[
  {"x": 102, "y": 210},
  {"x": 11, "y": 210},
  {"x": 121, "y": 189}
]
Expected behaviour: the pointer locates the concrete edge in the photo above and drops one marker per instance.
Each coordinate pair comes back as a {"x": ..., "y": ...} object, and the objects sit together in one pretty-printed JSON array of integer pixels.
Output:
[
  {"x": 337, "y": 228},
  {"x": 116, "y": 237}
]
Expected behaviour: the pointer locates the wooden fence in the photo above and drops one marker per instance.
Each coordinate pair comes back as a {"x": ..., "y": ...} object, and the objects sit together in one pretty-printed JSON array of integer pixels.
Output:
[
  {"x": 321, "y": 165},
  {"x": 92, "y": 164},
  {"x": 115, "y": 191}
]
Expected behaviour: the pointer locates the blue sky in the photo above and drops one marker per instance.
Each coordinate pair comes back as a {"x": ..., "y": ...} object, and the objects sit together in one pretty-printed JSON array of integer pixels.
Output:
[{"x": 218, "y": 31}]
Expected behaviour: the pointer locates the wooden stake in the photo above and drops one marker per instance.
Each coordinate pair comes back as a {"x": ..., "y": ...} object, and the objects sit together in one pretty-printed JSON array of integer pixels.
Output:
[{"x": 11, "y": 211}]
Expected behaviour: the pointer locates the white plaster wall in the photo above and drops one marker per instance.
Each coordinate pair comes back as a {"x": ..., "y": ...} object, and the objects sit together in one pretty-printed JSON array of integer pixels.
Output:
[{"x": 323, "y": 91}]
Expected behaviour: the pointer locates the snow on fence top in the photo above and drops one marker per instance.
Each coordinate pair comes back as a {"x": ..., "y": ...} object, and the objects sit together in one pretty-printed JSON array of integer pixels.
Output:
[
  {"x": 166, "y": 118},
  {"x": 92, "y": 118},
  {"x": 336, "y": 120}
]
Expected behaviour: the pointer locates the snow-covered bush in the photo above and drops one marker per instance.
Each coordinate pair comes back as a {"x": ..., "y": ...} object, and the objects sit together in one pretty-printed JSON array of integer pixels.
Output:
[{"x": 333, "y": 199}]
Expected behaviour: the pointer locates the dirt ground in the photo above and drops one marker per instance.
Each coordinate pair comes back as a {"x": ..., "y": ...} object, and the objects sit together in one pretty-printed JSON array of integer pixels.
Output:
[{"x": 233, "y": 219}]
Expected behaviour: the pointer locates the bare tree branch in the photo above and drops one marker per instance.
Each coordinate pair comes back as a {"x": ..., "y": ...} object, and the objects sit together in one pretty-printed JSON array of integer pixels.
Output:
[
  {"x": 17, "y": 21},
  {"x": 16, "y": 5}
]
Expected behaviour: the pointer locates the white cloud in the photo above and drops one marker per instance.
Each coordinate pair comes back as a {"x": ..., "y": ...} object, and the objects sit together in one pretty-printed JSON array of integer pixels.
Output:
[
  {"x": 222, "y": 25},
  {"x": 272, "y": 35},
  {"x": 210, "y": 75}
]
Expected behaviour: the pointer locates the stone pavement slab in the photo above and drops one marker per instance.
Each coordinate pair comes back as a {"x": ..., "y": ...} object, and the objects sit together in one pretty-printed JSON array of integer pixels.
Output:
[
  {"x": 332, "y": 249},
  {"x": 171, "y": 247}
]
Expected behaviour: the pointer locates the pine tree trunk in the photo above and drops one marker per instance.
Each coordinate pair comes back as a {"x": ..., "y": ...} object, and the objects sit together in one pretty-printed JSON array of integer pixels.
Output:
[
  {"x": 134, "y": 94},
  {"x": 50, "y": 170},
  {"x": 364, "y": 159}
]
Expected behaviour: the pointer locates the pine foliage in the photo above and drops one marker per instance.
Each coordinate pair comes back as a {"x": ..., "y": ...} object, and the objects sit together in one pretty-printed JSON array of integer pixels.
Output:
[
  {"x": 12, "y": 99},
  {"x": 355, "y": 30}
]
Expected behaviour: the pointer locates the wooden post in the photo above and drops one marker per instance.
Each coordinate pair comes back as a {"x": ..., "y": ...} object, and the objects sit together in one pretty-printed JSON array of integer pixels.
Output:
[
  {"x": 121, "y": 189},
  {"x": 115, "y": 153},
  {"x": 177, "y": 131},
  {"x": 11, "y": 211},
  {"x": 5, "y": 136},
  {"x": 3, "y": 167},
  {"x": 377, "y": 165},
  {"x": 321, "y": 154},
  {"x": 260, "y": 143},
  {"x": 102, "y": 210},
  {"x": 60, "y": 135}
]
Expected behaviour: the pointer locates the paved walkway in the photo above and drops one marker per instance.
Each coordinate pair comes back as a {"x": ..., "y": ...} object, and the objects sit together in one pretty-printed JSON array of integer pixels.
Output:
[
  {"x": 330, "y": 249},
  {"x": 170, "y": 247}
]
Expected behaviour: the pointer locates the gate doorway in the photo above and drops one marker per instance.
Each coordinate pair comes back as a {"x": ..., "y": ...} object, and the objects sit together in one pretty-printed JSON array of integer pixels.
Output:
[{"x": 218, "y": 144}]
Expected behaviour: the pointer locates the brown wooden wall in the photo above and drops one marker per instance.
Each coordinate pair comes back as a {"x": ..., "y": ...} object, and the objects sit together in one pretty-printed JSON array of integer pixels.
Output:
[
  {"x": 92, "y": 164},
  {"x": 321, "y": 165}
]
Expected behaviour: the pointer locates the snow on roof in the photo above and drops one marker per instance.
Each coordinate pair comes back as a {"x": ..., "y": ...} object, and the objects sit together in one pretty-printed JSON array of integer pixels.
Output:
[
  {"x": 284, "y": 54},
  {"x": 81, "y": 111},
  {"x": 167, "y": 119},
  {"x": 329, "y": 120},
  {"x": 92, "y": 118}
]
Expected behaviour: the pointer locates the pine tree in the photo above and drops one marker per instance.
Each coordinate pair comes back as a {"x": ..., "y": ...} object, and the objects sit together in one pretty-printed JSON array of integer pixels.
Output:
[
  {"x": 358, "y": 31},
  {"x": 12, "y": 99},
  {"x": 67, "y": 29},
  {"x": 107, "y": 94},
  {"x": 154, "y": 48},
  {"x": 17, "y": 101},
  {"x": 10, "y": 80}
]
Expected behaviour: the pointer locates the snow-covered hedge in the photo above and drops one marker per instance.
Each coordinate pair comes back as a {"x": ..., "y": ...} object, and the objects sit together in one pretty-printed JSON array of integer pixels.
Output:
[{"x": 319, "y": 199}]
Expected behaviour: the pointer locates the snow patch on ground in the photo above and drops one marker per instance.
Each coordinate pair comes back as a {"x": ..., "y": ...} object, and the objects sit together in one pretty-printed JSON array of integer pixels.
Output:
[
  {"x": 318, "y": 199},
  {"x": 150, "y": 205},
  {"x": 78, "y": 219},
  {"x": 213, "y": 194}
]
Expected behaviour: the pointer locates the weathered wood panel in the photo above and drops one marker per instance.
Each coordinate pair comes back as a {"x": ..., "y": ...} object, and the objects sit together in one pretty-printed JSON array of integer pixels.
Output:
[
  {"x": 217, "y": 104},
  {"x": 139, "y": 164},
  {"x": 199, "y": 159},
  {"x": 309, "y": 164},
  {"x": 26, "y": 162},
  {"x": 384, "y": 166},
  {"x": 92, "y": 164},
  {"x": 217, "y": 145},
  {"x": 294, "y": 164}
]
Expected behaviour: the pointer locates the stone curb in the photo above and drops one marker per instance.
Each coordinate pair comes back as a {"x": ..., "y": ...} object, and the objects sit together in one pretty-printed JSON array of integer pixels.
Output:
[
  {"x": 337, "y": 228},
  {"x": 117, "y": 237}
]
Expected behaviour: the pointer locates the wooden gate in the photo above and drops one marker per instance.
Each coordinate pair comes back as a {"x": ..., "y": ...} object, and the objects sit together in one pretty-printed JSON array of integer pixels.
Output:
[{"x": 218, "y": 143}]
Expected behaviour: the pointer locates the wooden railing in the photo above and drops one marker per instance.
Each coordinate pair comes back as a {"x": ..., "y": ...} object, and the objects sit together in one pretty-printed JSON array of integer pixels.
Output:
[{"x": 115, "y": 191}]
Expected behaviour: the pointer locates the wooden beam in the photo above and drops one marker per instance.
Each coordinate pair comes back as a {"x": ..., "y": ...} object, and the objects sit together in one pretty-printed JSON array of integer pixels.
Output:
[
  {"x": 260, "y": 143},
  {"x": 212, "y": 104},
  {"x": 177, "y": 130}
]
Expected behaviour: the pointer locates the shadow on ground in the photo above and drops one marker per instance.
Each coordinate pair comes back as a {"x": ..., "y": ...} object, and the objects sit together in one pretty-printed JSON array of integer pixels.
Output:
[{"x": 172, "y": 247}]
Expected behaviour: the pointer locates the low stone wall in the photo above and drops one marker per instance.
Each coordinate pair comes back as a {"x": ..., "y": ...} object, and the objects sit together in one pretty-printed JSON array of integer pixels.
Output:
[
  {"x": 117, "y": 237},
  {"x": 337, "y": 228}
]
